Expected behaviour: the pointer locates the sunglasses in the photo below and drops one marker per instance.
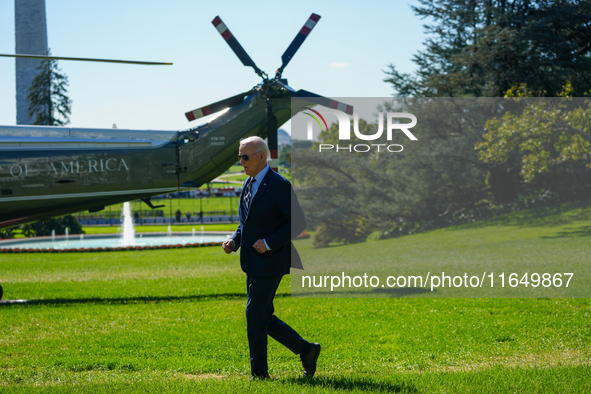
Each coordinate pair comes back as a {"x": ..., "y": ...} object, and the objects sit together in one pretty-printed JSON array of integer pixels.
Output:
[{"x": 246, "y": 157}]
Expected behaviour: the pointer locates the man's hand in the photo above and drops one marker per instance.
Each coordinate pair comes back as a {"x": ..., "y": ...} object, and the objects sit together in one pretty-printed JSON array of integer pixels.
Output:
[
  {"x": 260, "y": 246},
  {"x": 228, "y": 246}
]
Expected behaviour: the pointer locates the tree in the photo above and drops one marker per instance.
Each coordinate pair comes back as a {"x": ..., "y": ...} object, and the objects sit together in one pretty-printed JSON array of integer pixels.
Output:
[
  {"x": 49, "y": 104},
  {"x": 330, "y": 189},
  {"x": 483, "y": 47},
  {"x": 7, "y": 232},
  {"x": 285, "y": 156},
  {"x": 58, "y": 225},
  {"x": 346, "y": 195},
  {"x": 546, "y": 133}
]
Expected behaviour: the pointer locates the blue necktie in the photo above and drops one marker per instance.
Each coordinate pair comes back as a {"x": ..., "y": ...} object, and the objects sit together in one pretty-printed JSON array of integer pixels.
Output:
[{"x": 248, "y": 195}]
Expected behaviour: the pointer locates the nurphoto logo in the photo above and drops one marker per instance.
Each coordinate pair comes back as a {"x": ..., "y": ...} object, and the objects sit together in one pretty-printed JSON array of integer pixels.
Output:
[{"x": 345, "y": 130}]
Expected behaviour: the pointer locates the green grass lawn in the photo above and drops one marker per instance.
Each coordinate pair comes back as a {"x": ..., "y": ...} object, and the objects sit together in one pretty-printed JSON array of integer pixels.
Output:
[
  {"x": 236, "y": 168},
  {"x": 545, "y": 241},
  {"x": 237, "y": 178},
  {"x": 173, "y": 320}
]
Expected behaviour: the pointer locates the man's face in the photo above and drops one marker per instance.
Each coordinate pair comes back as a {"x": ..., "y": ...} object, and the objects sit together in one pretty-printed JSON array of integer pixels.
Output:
[{"x": 256, "y": 162}]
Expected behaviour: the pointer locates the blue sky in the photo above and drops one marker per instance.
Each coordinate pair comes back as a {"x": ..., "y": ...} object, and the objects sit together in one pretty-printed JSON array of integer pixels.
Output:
[{"x": 344, "y": 56}]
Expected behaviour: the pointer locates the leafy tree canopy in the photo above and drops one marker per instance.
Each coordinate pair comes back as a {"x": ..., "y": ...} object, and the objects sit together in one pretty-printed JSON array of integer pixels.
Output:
[
  {"x": 547, "y": 132},
  {"x": 483, "y": 47},
  {"x": 58, "y": 225}
]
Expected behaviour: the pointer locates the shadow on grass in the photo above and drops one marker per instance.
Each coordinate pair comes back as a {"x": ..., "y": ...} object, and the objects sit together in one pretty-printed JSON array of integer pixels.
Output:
[
  {"x": 548, "y": 216},
  {"x": 404, "y": 291},
  {"x": 572, "y": 232},
  {"x": 351, "y": 383},
  {"x": 375, "y": 293},
  {"x": 136, "y": 300}
]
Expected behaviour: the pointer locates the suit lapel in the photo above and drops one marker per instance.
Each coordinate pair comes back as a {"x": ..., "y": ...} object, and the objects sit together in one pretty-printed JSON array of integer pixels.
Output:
[{"x": 261, "y": 190}]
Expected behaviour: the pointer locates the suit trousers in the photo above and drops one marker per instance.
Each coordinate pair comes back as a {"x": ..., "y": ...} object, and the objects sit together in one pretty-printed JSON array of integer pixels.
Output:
[{"x": 260, "y": 321}]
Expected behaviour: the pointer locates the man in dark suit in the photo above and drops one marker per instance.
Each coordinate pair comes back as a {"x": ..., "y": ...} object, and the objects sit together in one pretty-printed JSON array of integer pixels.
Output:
[{"x": 270, "y": 216}]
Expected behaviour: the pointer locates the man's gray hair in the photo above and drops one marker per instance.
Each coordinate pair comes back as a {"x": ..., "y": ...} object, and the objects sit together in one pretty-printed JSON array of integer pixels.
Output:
[{"x": 259, "y": 143}]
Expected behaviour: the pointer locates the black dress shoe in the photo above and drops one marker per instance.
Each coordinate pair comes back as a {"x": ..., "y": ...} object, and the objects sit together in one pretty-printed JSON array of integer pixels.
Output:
[
  {"x": 309, "y": 360},
  {"x": 264, "y": 376}
]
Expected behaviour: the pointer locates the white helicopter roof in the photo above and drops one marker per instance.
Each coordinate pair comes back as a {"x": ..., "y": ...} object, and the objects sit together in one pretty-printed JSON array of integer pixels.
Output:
[
  {"x": 19, "y": 137},
  {"x": 72, "y": 132}
]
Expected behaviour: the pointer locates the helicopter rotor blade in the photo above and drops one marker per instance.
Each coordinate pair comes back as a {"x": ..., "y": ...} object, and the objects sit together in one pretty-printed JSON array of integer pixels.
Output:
[
  {"x": 297, "y": 42},
  {"x": 324, "y": 101},
  {"x": 272, "y": 138},
  {"x": 235, "y": 45},
  {"x": 84, "y": 59},
  {"x": 216, "y": 107}
]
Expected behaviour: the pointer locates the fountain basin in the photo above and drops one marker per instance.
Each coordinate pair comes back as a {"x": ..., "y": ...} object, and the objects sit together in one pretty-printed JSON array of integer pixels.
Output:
[{"x": 112, "y": 242}]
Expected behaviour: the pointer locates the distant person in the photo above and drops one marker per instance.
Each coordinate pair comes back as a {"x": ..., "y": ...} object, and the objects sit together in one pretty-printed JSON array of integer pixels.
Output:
[
  {"x": 188, "y": 216},
  {"x": 178, "y": 215},
  {"x": 268, "y": 212}
]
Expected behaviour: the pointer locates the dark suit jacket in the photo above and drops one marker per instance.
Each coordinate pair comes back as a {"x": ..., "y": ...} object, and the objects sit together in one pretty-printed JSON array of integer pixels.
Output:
[{"x": 275, "y": 215}]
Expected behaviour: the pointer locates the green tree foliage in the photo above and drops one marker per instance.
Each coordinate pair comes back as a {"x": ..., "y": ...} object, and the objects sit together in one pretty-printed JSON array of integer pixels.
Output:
[
  {"x": 435, "y": 181},
  {"x": 477, "y": 48},
  {"x": 332, "y": 189},
  {"x": 330, "y": 196},
  {"x": 346, "y": 195},
  {"x": 49, "y": 104},
  {"x": 58, "y": 225},
  {"x": 8, "y": 232},
  {"x": 545, "y": 133},
  {"x": 483, "y": 47},
  {"x": 285, "y": 156},
  {"x": 340, "y": 232}
]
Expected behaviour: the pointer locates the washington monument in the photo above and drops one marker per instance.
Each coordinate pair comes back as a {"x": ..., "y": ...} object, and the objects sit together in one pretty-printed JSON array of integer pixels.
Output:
[{"x": 31, "y": 39}]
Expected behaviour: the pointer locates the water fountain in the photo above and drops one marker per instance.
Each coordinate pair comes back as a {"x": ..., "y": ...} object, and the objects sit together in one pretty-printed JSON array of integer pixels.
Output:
[{"x": 128, "y": 230}]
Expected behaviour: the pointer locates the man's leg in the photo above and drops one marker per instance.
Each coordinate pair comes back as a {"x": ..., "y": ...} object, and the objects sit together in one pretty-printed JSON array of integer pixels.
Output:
[
  {"x": 287, "y": 336},
  {"x": 259, "y": 309},
  {"x": 261, "y": 321}
]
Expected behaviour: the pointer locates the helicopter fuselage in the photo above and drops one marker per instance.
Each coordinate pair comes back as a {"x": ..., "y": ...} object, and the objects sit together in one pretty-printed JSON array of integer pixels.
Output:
[{"x": 52, "y": 171}]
